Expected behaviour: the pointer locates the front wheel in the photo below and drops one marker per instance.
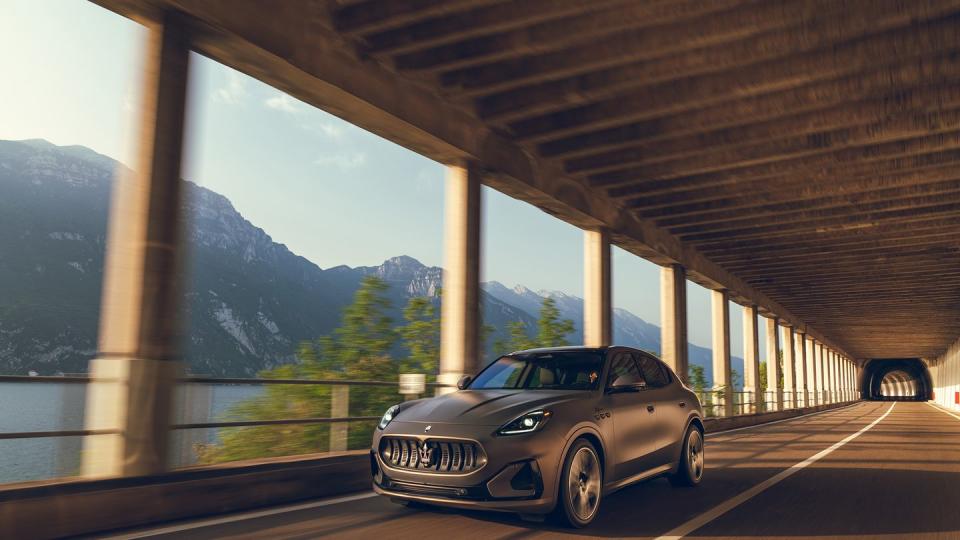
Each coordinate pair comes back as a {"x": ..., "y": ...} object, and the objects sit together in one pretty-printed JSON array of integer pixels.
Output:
[
  {"x": 581, "y": 485},
  {"x": 690, "y": 470}
]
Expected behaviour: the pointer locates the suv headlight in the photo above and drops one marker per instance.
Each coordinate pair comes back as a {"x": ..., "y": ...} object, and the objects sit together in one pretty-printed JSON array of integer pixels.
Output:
[
  {"x": 388, "y": 416},
  {"x": 526, "y": 423}
]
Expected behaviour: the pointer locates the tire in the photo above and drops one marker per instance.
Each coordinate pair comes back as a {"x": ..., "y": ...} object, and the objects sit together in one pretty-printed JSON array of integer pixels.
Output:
[
  {"x": 581, "y": 486},
  {"x": 690, "y": 469}
]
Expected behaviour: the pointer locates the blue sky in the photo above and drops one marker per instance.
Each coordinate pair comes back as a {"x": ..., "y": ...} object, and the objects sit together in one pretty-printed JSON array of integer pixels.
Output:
[{"x": 330, "y": 191}]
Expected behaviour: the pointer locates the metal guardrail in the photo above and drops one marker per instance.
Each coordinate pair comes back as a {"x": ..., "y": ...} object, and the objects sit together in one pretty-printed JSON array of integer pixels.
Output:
[
  {"x": 710, "y": 400},
  {"x": 80, "y": 379},
  {"x": 713, "y": 404}
]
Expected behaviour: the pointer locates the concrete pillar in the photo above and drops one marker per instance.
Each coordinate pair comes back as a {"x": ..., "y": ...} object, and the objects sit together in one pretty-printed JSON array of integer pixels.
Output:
[
  {"x": 837, "y": 388},
  {"x": 597, "y": 307},
  {"x": 841, "y": 370},
  {"x": 822, "y": 365},
  {"x": 832, "y": 373},
  {"x": 134, "y": 374},
  {"x": 857, "y": 372},
  {"x": 720, "y": 303},
  {"x": 851, "y": 393},
  {"x": 773, "y": 366},
  {"x": 799, "y": 345},
  {"x": 848, "y": 380},
  {"x": 673, "y": 319},
  {"x": 843, "y": 378},
  {"x": 828, "y": 373},
  {"x": 339, "y": 408},
  {"x": 751, "y": 358},
  {"x": 814, "y": 390},
  {"x": 460, "y": 306},
  {"x": 853, "y": 380},
  {"x": 789, "y": 368}
]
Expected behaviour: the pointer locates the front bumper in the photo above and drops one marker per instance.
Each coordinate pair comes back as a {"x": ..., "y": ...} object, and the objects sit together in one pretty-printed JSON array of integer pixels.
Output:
[{"x": 519, "y": 473}]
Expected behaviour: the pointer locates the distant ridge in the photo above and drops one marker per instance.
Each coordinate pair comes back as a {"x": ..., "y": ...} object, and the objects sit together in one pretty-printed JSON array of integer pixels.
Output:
[{"x": 249, "y": 300}]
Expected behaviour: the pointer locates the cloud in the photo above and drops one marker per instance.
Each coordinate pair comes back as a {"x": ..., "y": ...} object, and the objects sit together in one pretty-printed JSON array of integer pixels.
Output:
[
  {"x": 282, "y": 102},
  {"x": 233, "y": 92},
  {"x": 344, "y": 162},
  {"x": 327, "y": 129}
]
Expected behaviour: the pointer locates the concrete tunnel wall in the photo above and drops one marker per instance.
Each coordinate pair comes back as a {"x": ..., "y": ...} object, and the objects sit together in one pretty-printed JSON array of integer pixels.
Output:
[{"x": 945, "y": 370}]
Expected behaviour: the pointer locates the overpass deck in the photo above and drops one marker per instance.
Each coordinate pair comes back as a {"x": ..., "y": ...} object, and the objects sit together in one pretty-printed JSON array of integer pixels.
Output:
[{"x": 871, "y": 470}]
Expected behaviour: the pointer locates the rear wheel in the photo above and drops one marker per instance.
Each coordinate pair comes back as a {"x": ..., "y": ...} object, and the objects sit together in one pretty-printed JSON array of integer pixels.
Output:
[
  {"x": 581, "y": 485},
  {"x": 690, "y": 470}
]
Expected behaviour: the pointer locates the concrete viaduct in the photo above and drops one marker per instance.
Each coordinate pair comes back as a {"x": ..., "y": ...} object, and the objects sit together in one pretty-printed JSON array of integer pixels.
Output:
[{"x": 797, "y": 157}]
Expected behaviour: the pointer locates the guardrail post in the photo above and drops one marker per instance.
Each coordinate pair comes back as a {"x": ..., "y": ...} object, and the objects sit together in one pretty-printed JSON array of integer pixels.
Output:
[
  {"x": 134, "y": 374},
  {"x": 339, "y": 408}
]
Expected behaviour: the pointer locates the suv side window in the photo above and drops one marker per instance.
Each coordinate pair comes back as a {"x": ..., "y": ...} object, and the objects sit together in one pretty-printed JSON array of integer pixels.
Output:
[
  {"x": 624, "y": 367},
  {"x": 652, "y": 371}
]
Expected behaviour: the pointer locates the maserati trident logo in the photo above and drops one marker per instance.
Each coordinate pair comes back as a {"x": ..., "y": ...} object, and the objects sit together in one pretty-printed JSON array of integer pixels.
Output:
[
  {"x": 426, "y": 454},
  {"x": 427, "y": 429}
]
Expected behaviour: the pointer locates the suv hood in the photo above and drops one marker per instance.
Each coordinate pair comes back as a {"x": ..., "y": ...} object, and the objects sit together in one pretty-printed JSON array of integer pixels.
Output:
[{"x": 483, "y": 407}]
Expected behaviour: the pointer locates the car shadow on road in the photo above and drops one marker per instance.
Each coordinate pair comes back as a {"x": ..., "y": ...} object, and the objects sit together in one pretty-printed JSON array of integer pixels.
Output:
[{"x": 820, "y": 502}]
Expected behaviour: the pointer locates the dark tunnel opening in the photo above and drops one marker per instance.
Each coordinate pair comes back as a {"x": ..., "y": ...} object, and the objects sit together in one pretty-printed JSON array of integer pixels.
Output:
[{"x": 901, "y": 379}]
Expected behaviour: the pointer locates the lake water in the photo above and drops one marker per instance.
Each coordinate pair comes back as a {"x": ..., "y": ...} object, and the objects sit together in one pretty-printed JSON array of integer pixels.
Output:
[{"x": 60, "y": 406}]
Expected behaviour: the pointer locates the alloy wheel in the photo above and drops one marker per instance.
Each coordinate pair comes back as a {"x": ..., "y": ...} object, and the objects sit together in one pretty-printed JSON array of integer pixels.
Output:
[
  {"x": 583, "y": 483},
  {"x": 695, "y": 454}
]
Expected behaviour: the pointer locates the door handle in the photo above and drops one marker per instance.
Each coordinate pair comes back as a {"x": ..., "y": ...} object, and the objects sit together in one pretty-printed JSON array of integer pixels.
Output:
[
  {"x": 683, "y": 403},
  {"x": 650, "y": 408}
]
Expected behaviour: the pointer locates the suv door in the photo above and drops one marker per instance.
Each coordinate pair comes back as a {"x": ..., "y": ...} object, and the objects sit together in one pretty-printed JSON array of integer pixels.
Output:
[
  {"x": 632, "y": 414},
  {"x": 667, "y": 422}
]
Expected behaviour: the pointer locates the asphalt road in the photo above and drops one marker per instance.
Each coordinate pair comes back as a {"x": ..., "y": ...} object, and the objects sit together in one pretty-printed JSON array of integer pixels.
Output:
[{"x": 865, "y": 471}]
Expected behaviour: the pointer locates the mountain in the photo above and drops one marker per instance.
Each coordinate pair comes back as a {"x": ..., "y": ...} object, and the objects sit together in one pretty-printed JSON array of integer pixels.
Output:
[{"x": 249, "y": 300}]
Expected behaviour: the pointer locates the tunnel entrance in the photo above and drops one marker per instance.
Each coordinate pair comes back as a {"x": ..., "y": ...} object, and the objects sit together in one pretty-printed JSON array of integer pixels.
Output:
[{"x": 901, "y": 379}]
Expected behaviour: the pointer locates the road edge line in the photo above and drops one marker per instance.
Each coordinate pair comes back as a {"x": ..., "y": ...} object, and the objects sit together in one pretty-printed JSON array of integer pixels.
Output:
[{"x": 942, "y": 409}]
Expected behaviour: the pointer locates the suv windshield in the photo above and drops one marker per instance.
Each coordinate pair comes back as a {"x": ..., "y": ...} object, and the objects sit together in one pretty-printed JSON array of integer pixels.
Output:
[{"x": 567, "y": 370}]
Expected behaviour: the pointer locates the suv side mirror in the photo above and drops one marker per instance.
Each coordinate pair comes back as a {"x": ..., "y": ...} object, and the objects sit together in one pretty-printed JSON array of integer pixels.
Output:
[
  {"x": 464, "y": 382},
  {"x": 627, "y": 383}
]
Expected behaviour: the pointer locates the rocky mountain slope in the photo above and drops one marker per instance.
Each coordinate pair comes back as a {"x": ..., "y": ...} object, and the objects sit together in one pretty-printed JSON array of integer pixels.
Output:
[{"x": 249, "y": 300}]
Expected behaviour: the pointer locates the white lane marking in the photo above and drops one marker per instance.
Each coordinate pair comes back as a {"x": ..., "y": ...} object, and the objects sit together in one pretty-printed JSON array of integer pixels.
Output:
[
  {"x": 730, "y": 504},
  {"x": 239, "y": 517},
  {"x": 802, "y": 416},
  {"x": 944, "y": 411}
]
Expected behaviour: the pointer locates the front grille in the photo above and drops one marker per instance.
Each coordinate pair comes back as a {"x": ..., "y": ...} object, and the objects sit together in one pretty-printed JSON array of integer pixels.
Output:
[{"x": 431, "y": 455}]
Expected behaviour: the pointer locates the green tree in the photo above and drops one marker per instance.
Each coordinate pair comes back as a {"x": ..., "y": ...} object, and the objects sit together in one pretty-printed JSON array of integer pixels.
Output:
[
  {"x": 518, "y": 339},
  {"x": 357, "y": 350},
  {"x": 552, "y": 331},
  {"x": 763, "y": 376},
  {"x": 698, "y": 380},
  {"x": 421, "y": 337}
]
